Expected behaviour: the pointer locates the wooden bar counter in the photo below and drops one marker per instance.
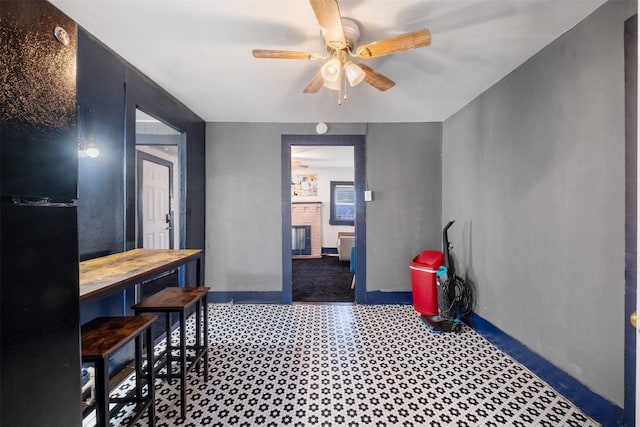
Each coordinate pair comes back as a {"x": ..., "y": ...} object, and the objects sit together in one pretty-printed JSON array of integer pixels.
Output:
[{"x": 106, "y": 275}]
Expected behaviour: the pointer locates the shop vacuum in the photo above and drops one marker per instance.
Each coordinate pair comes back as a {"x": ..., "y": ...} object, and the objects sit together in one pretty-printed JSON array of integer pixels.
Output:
[{"x": 454, "y": 296}]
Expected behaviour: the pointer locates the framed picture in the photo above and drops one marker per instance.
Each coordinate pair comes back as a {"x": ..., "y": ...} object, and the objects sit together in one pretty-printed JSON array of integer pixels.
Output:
[
  {"x": 343, "y": 203},
  {"x": 304, "y": 185}
]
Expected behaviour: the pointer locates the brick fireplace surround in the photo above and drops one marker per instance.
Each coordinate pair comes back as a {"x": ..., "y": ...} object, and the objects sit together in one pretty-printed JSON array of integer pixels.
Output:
[{"x": 309, "y": 213}]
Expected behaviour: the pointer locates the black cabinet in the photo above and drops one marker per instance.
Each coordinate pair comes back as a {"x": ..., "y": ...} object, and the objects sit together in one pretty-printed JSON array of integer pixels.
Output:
[
  {"x": 39, "y": 349},
  {"x": 39, "y": 297},
  {"x": 38, "y": 138}
]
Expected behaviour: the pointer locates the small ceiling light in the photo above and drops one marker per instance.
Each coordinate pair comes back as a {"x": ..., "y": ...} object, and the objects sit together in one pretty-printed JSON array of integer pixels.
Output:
[
  {"x": 62, "y": 36},
  {"x": 321, "y": 128},
  {"x": 330, "y": 71},
  {"x": 355, "y": 74}
]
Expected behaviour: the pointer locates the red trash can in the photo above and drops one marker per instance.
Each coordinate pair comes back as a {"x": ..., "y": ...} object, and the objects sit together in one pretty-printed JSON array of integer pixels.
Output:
[{"x": 424, "y": 288}]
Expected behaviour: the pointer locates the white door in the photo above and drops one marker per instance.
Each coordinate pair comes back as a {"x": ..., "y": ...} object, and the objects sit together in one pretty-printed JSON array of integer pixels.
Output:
[{"x": 155, "y": 206}]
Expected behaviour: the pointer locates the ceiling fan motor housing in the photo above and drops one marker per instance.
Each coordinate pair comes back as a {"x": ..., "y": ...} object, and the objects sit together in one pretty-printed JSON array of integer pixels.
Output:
[{"x": 351, "y": 32}]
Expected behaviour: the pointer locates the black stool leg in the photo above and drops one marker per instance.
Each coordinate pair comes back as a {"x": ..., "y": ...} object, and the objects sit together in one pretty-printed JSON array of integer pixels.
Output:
[
  {"x": 167, "y": 326},
  {"x": 198, "y": 345},
  {"x": 183, "y": 364},
  {"x": 206, "y": 339},
  {"x": 138, "y": 369},
  {"x": 151, "y": 379},
  {"x": 102, "y": 392}
]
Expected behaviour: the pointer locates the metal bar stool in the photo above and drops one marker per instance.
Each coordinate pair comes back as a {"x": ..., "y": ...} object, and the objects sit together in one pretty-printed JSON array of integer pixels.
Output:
[
  {"x": 179, "y": 300},
  {"x": 103, "y": 336}
]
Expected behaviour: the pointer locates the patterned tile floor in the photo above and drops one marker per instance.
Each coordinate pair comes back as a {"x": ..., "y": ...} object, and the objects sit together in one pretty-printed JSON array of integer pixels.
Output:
[{"x": 353, "y": 365}]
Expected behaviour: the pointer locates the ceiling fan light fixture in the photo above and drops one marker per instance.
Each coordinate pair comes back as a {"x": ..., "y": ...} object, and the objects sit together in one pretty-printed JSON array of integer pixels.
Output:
[
  {"x": 335, "y": 85},
  {"x": 340, "y": 36},
  {"x": 331, "y": 70},
  {"x": 355, "y": 74}
]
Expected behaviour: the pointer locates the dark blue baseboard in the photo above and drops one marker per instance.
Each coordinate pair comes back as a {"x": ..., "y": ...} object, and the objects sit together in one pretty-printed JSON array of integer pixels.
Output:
[
  {"x": 379, "y": 297},
  {"x": 246, "y": 297},
  {"x": 594, "y": 405}
]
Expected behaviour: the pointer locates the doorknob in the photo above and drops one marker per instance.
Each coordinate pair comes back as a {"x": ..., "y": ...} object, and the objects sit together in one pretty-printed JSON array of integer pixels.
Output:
[{"x": 634, "y": 319}]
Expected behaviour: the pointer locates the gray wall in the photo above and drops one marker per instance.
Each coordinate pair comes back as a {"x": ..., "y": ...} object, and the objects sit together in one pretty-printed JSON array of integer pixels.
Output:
[
  {"x": 404, "y": 171},
  {"x": 533, "y": 172},
  {"x": 244, "y": 210}
]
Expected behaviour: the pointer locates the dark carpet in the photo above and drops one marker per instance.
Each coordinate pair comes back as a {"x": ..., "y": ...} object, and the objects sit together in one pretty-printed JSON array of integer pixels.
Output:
[{"x": 323, "y": 279}]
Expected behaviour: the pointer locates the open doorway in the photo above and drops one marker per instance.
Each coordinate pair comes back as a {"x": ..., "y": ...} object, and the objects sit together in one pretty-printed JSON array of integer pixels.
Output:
[
  {"x": 159, "y": 189},
  {"x": 296, "y": 179},
  {"x": 322, "y": 223},
  {"x": 160, "y": 198},
  {"x": 156, "y": 210}
]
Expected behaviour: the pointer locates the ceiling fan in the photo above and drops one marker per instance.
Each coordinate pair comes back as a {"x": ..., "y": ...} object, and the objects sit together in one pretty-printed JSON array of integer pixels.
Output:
[
  {"x": 340, "y": 36},
  {"x": 298, "y": 164}
]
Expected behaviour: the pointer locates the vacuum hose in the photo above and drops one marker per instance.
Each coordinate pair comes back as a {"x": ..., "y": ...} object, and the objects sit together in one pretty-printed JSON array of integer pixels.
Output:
[
  {"x": 446, "y": 247},
  {"x": 455, "y": 297}
]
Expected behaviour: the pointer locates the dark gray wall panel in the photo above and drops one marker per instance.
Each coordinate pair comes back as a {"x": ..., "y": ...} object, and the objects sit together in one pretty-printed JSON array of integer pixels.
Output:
[
  {"x": 101, "y": 184},
  {"x": 244, "y": 202},
  {"x": 113, "y": 89}
]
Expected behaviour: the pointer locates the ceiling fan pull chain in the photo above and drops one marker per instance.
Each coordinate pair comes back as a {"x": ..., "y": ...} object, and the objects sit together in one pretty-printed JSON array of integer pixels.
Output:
[
  {"x": 340, "y": 91},
  {"x": 345, "y": 85}
]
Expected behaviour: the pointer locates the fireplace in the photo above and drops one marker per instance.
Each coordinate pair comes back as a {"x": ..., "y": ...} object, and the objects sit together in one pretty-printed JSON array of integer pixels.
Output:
[
  {"x": 306, "y": 229},
  {"x": 301, "y": 240}
]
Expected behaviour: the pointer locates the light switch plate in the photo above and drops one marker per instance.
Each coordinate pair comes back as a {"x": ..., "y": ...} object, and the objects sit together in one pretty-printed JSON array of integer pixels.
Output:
[{"x": 368, "y": 195}]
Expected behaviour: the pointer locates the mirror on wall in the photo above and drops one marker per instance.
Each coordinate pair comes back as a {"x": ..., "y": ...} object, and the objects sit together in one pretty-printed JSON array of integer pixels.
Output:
[{"x": 160, "y": 183}]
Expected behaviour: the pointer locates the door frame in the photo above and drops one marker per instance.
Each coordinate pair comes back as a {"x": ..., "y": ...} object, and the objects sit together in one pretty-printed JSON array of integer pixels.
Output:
[
  {"x": 140, "y": 157},
  {"x": 631, "y": 362},
  {"x": 358, "y": 144}
]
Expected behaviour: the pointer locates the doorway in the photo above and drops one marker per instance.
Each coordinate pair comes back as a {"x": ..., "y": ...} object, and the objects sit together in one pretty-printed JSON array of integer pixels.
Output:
[
  {"x": 290, "y": 178},
  {"x": 155, "y": 193},
  {"x": 321, "y": 266},
  {"x": 160, "y": 177},
  {"x": 160, "y": 199}
]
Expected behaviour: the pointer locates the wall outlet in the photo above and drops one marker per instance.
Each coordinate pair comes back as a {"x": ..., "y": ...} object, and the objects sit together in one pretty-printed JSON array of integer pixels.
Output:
[{"x": 368, "y": 195}]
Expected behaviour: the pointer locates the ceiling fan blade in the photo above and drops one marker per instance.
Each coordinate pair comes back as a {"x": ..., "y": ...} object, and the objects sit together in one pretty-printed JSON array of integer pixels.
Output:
[
  {"x": 328, "y": 15},
  {"x": 281, "y": 54},
  {"x": 298, "y": 164},
  {"x": 315, "y": 85},
  {"x": 376, "y": 80},
  {"x": 395, "y": 44}
]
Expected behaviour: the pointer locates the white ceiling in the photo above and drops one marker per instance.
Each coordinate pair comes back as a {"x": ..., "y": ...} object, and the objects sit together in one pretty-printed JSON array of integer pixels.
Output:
[
  {"x": 200, "y": 52},
  {"x": 323, "y": 156}
]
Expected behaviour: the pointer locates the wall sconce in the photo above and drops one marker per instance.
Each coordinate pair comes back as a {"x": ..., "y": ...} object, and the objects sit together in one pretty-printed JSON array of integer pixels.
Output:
[
  {"x": 91, "y": 148},
  {"x": 87, "y": 146}
]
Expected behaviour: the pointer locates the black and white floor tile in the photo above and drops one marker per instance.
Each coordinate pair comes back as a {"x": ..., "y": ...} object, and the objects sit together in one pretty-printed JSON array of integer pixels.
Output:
[{"x": 353, "y": 365}]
